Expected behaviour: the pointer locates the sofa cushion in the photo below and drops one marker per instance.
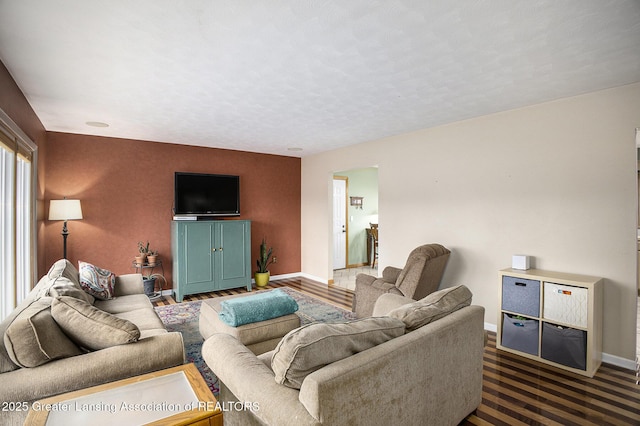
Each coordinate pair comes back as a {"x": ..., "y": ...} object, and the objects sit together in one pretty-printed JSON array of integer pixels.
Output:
[
  {"x": 122, "y": 304},
  {"x": 90, "y": 327},
  {"x": 34, "y": 338},
  {"x": 311, "y": 347},
  {"x": 144, "y": 319},
  {"x": 98, "y": 282},
  {"x": 65, "y": 287},
  {"x": 62, "y": 280},
  {"x": 433, "y": 307},
  {"x": 63, "y": 268},
  {"x": 388, "y": 302}
]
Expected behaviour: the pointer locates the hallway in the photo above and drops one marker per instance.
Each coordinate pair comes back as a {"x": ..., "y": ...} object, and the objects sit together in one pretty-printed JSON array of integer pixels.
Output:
[{"x": 346, "y": 278}]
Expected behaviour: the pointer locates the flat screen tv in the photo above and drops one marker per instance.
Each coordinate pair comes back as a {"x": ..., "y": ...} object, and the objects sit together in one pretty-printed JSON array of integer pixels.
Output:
[{"x": 199, "y": 194}]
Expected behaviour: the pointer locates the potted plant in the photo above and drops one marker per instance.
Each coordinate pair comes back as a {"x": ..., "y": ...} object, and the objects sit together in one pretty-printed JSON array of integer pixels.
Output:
[
  {"x": 265, "y": 259},
  {"x": 149, "y": 282},
  {"x": 152, "y": 257},
  {"x": 143, "y": 249}
]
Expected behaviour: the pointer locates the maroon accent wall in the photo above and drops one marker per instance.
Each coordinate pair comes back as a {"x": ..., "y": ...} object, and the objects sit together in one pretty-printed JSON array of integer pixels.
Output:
[
  {"x": 126, "y": 190},
  {"x": 16, "y": 106}
]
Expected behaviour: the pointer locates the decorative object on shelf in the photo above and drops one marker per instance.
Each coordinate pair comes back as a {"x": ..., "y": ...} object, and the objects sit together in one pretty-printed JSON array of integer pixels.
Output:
[
  {"x": 147, "y": 260},
  {"x": 149, "y": 278},
  {"x": 520, "y": 261},
  {"x": 152, "y": 257},
  {"x": 356, "y": 201},
  {"x": 65, "y": 210},
  {"x": 143, "y": 250},
  {"x": 265, "y": 259}
]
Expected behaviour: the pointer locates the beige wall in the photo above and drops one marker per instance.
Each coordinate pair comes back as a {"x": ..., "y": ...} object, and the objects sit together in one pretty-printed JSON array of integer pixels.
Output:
[{"x": 556, "y": 181}]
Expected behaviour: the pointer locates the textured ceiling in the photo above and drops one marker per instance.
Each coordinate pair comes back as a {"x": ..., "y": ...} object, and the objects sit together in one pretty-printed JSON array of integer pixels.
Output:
[{"x": 270, "y": 75}]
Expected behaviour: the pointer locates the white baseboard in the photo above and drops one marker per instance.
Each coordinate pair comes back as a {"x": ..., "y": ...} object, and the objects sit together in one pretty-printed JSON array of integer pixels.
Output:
[
  {"x": 490, "y": 327},
  {"x": 282, "y": 276},
  {"x": 169, "y": 292},
  {"x": 312, "y": 277},
  {"x": 619, "y": 361}
]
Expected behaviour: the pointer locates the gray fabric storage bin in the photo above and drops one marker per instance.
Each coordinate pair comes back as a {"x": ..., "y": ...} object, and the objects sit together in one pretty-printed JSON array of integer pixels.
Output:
[
  {"x": 521, "y": 296},
  {"x": 564, "y": 345},
  {"x": 521, "y": 335}
]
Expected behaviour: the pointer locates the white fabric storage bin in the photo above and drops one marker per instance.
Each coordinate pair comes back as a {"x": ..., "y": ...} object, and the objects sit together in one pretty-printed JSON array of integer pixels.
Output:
[{"x": 566, "y": 304}]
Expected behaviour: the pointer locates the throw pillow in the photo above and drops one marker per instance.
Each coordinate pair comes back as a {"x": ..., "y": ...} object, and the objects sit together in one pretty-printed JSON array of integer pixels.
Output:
[
  {"x": 34, "y": 338},
  {"x": 98, "y": 282},
  {"x": 433, "y": 307},
  {"x": 62, "y": 280},
  {"x": 309, "y": 348},
  {"x": 91, "y": 327}
]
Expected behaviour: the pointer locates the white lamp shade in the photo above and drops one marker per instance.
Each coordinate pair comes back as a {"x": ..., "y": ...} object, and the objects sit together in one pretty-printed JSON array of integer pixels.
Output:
[{"x": 65, "y": 210}]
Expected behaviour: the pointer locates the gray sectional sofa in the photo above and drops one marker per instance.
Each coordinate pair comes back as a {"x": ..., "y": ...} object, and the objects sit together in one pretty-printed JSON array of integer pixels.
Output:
[
  {"x": 412, "y": 363},
  {"x": 92, "y": 341}
]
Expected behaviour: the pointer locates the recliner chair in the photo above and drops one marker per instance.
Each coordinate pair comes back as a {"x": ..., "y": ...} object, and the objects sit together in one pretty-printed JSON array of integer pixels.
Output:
[{"x": 420, "y": 276}]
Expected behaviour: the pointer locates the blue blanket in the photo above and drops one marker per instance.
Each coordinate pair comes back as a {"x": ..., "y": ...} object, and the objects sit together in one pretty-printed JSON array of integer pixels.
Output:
[{"x": 258, "y": 307}]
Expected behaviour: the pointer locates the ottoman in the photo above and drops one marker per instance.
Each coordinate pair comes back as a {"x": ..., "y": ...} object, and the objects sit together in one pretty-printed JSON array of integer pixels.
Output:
[{"x": 259, "y": 337}]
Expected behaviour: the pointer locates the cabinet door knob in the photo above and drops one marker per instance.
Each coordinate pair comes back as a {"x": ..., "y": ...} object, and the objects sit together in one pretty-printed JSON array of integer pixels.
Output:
[
  {"x": 213, "y": 249},
  {"x": 220, "y": 249}
]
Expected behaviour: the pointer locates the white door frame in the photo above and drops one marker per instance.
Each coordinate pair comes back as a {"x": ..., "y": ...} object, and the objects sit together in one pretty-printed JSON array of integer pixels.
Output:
[{"x": 343, "y": 262}]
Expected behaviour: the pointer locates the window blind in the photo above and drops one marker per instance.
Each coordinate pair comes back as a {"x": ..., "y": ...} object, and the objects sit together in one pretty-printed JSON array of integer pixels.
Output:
[{"x": 17, "y": 216}]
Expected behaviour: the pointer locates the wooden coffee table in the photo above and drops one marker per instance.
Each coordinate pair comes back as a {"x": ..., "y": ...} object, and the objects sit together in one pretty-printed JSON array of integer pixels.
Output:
[{"x": 175, "y": 396}]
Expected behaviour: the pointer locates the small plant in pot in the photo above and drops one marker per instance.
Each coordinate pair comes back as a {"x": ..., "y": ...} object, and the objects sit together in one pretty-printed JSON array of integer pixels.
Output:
[
  {"x": 143, "y": 250},
  {"x": 152, "y": 257},
  {"x": 149, "y": 282},
  {"x": 265, "y": 259}
]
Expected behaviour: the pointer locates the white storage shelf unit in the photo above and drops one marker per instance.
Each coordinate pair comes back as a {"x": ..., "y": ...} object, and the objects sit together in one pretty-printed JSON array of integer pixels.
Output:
[{"x": 552, "y": 317}]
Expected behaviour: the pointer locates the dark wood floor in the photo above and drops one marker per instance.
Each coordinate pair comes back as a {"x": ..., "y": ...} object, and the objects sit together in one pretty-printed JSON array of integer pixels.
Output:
[
  {"x": 331, "y": 294},
  {"x": 518, "y": 391}
]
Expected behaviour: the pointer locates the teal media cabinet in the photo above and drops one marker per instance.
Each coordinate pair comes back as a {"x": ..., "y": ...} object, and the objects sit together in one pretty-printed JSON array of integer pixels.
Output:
[{"x": 210, "y": 255}]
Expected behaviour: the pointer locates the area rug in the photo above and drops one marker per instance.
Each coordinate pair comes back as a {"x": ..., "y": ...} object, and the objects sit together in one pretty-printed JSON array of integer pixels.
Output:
[{"x": 183, "y": 317}]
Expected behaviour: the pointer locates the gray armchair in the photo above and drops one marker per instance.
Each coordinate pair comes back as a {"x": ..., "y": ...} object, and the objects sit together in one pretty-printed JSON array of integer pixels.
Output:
[{"x": 420, "y": 276}]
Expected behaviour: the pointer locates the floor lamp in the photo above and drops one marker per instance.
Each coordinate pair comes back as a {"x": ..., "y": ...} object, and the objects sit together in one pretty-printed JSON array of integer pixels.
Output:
[{"x": 65, "y": 210}]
